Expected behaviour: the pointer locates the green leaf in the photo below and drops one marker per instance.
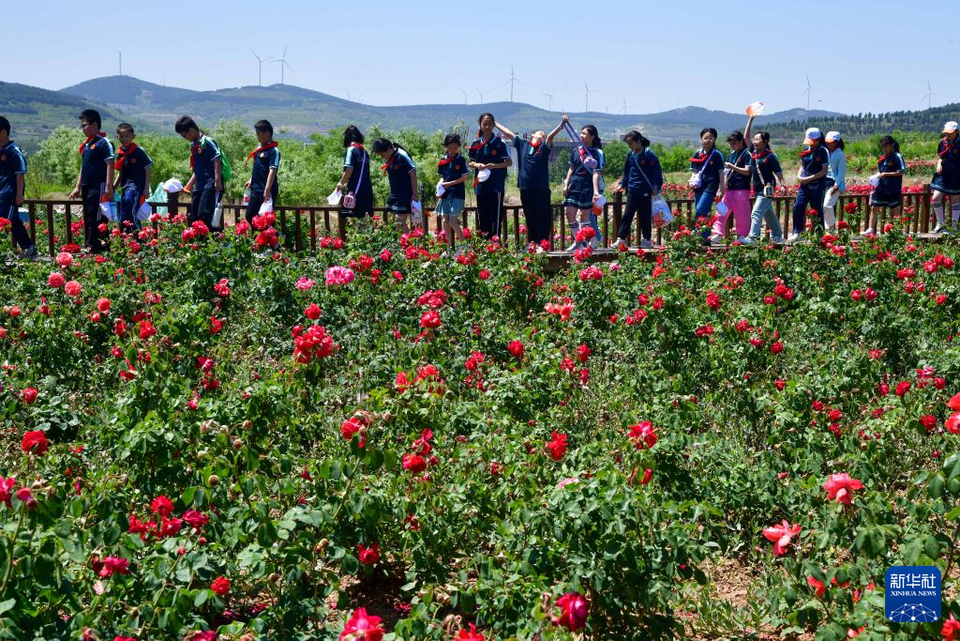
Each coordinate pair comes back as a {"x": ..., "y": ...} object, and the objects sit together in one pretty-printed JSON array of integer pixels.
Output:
[
  {"x": 6, "y": 606},
  {"x": 201, "y": 598}
]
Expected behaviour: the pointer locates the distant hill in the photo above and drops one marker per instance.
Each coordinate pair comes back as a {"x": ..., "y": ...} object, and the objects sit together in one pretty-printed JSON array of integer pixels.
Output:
[
  {"x": 302, "y": 111},
  {"x": 34, "y": 113},
  {"x": 868, "y": 124}
]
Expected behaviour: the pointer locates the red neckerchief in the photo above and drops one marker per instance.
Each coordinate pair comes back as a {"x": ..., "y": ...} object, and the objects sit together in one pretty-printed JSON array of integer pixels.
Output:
[
  {"x": 758, "y": 156},
  {"x": 697, "y": 158},
  {"x": 86, "y": 142},
  {"x": 480, "y": 144},
  {"x": 357, "y": 145},
  {"x": 194, "y": 146},
  {"x": 882, "y": 158},
  {"x": 386, "y": 166},
  {"x": 269, "y": 145},
  {"x": 446, "y": 160},
  {"x": 536, "y": 145},
  {"x": 948, "y": 146},
  {"x": 806, "y": 152},
  {"x": 122, "y": 154}
]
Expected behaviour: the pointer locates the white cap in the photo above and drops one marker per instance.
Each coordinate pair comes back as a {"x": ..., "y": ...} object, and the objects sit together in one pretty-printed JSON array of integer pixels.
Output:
[
  {"x": 483, "y": 174},
  {"x": 173, "y": 186},
  {"x": 832, "y": 136},
  {"x": 812, "y": 134},
  {"x": 950, "y": 127}
]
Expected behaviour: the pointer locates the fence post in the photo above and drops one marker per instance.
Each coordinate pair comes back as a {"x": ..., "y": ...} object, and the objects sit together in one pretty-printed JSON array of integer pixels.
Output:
[
  {"x": 50, "y": 229},
  {"x": 925, "y": 209},
  {"x": 173, "y": 204},
  {"x": 618, "y": 215},
  {"x": 69, "y": 219}
]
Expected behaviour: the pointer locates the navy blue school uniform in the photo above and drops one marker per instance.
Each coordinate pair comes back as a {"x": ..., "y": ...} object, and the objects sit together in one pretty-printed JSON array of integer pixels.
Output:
[
  {"x": 132, "y": 163},
  {"x": 358, "y": 184},
  {"x": 203, "y": 155},
  {"x": 95, "y": 153},
  {"x": 580, "y": 189},
  {"x": 812, "y": 162},
  {"x": 642, "y": 176},
  {"x": 265, "y": 158},
  {"x": 708, "y": 166},
  {"x": 490, "y": 192},
  {"x": 948, "y": 180},
  {"x": 764, "y": 168},
  {"x": 493, "y": 151},
  {"x": 737, "y": 181},
  {"x": 887, "y": 193},
  {"x": 451, "y": 169},
  {"x": 533, "y": 179},
  {"x": 398, "y": 168},
  {"x": 12, "y": 164}
]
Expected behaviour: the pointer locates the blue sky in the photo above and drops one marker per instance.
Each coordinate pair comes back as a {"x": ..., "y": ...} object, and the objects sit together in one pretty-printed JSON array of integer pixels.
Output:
[{"x": 861, "y": 56}]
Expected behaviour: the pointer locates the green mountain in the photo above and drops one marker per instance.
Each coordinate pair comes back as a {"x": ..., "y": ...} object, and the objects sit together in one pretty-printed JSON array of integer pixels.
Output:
[
  {"x": 34, "y": 113},
  {"x": 869, "y": 124},
  {"x": 301, "y": 111}
]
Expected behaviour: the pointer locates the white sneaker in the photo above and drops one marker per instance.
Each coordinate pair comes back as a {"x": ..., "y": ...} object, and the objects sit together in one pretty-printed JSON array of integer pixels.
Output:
[
  {"x": 741, "y": 239},
  {"x": 646, "y": 244},
  {"x": 620, "y": 245},
  {"x": 792, "y": 238},
  {"x": 716, "y": 238},
  {"x": 939, "y": 229},
  {"x": 868, "y": 231},
  {"x": 746, "y": 240}
]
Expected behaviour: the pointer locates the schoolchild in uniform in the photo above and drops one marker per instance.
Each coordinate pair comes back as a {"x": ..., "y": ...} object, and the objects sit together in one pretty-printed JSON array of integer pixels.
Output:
[
  {"x": 583, "y": 187},
  {"x": 132, "y": 166},
  {"x": 206, "y": 181},
  {"x": 13, "y": 171},
  {"x": 890, "y": 170},
  {"x": 355, "y": 181},
  {"x": 812, "y": 181},
  {"x": 706, "y": 169},
  {"x": 402, "y": 174},
  {"x": 765, "y": 171},
  {"x": 946, "y": 179},
  {"x": 642, "y": 180},
  {"x": 453, "y": 174},
  {"x": 95, "y": 182},
  {"x": 489, "y": 152},
  {"x": 263, "y": 182}
]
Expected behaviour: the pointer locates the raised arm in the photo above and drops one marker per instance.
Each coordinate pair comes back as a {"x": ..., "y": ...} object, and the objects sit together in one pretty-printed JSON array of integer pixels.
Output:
[
  {"x": 506, "y": 131},
  {"x": 747, "y": 138},
  {"x": 553, "y": 134}
]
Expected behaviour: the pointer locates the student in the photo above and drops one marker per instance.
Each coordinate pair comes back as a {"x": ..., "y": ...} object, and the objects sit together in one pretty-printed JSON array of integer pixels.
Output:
[
  {"x": 706, "y": 167},
  {"x": 263, "y": 177},
  {"x": 583, "y": 187},
  {"x": 132, "y": 166},
  {"x": 765, "y": 170},
  {"x": 812, "y": 181},
  {"x": 533, "y": 179},
  {"x": 488, "y": 152},
  {"x": 355, "y": 180},
  {"x": 206, "y": 181},
  {"x": 836, "y": 178},
  {"x": 402, "y": 174},
  {"x": 946, "y": 180},
  {"x": 890, "y": 170},
  {"x": 736, "y": 196},
  {"x": 642, "y": 180},
  {"x": 95, "y": 182},
  {"x": 453, "y": 173},
  {"x": 13, "y": 170}
]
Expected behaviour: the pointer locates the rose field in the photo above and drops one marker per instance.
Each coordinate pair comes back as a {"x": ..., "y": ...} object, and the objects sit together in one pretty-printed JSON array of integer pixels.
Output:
[{"x": 380, "y": 441}]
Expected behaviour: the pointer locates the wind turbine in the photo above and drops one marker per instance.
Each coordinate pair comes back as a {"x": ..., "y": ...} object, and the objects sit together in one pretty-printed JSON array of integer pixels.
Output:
[
  {"x": 807, "y": 92},
  {"x": 282, "y": 60},
  {"x": 549, "y": 101},
  {"x": 513, "y": 78},
  {"x": 260, "y": 62},
  {"x": 624, "y": 105},
  {"x": 588, "y": 91},
  {"x": 929, "y": 96},
  {"x": 481, "y": 96},
  {"x": 464, "y": 96},
  {"x": 120, "y": 60}
]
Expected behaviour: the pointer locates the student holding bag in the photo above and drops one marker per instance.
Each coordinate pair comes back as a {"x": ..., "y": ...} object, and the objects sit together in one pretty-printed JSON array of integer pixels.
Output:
[
  {"x": 765, "y": 169},
  {"x": 707, "y": 177},
  {"x": 836, "y": 178},
  {"x": 355, "y": 183},
  {"x": 263, "y": 177},
  {"x": 642, "y": 180}
]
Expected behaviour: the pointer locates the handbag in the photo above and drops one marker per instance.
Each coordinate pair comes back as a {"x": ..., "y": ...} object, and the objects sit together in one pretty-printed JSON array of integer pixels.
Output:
[
  {"x": 350, "y": 200},
  {"x": 768, "y": 188},
  {"x": 590, "y": 163},
  {"x": 696, "y": 181}
]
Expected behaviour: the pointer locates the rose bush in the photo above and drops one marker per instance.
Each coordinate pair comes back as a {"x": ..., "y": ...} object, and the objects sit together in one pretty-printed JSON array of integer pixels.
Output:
[{"x": 203, "y": 439}]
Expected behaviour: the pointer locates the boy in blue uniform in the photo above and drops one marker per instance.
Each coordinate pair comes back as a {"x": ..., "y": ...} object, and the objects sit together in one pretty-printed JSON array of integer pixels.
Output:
[
  {"x": 453, "y": 173},
  {"x": 206, "y": 182},
  {"x": 489, "y": 154},
  {"x": 95, "y": 182},
  {"x": 133, "y": 177},
  {"x": 812, "y": 180},
  {"x": 266, "y": 163},
  {"x": 13, "y": 169}
]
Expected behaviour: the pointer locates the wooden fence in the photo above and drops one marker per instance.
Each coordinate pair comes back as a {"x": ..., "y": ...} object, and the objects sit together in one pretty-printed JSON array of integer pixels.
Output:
[{"x": 302, "y": 226}]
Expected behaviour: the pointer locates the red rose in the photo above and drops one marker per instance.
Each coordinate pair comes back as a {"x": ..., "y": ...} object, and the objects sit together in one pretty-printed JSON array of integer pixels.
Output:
[
  {"x": 370, "y": 555},
  {"x": 221, "y": 585},
  {"x": 414, "y": 463},
  {"x": 29, "y": 395},
  {"x": 362, "y": 627},
  {"x": 34, "y": 442},
  {"x": 557, "y": 445},
  {"x": 312, "y": 311},
  {"x": 162, "y": 506},
  {"x": 430, "y": 320},
  {"x": 573, "y": 611},
  {"x": 516, "y": 349}
]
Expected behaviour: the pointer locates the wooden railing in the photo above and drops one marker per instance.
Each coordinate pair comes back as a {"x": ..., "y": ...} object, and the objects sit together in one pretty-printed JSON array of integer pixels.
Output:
[{"x": 302, "y": 226}]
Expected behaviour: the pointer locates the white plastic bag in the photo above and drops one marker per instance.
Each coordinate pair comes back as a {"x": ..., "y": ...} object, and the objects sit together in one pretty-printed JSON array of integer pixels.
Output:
[
  {"x": 334, "y": 198},
  {"x": 832, "y": 198},
  {"x": 108, "y": 210},
  {"x": 417, "y": 210},
  {"x": 144, "y": 212},
  {"x": 662, "y": 216},
  {"x": 266, "y": 207},
  {"x": 217, "y": 221},
  {"x": 755, "y": 108},
  {"x": 440, "y": 189},
  {"x": 875, "y": 181},
  {"x": 483, "y": 175}
]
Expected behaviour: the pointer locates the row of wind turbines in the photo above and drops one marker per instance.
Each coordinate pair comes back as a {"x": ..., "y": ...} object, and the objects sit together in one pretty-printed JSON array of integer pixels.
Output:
[{"x": 512, "y": 80}]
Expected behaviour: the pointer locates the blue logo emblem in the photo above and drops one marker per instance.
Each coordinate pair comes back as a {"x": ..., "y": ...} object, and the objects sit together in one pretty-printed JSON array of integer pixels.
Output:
[{"x": 912, "y": 594}]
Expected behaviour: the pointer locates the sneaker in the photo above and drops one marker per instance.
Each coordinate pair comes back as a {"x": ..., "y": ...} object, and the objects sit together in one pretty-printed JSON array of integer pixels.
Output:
[
  {"x": 868, "y": 232},
  {"x": 620, "y": 245},
  {"x": 778, "y": 241},
  {"x": 646, "y": 244},
  {"x": 746, "y": 240},
  {"x": 595, "y": 242},
  {"x": 939, "y": 229},
  {"x": 742, "y": 240},
  {"x": 716, "y": 238},
  {"x": 792, "y": 238},
  {"x": 28, "y": 254}
]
